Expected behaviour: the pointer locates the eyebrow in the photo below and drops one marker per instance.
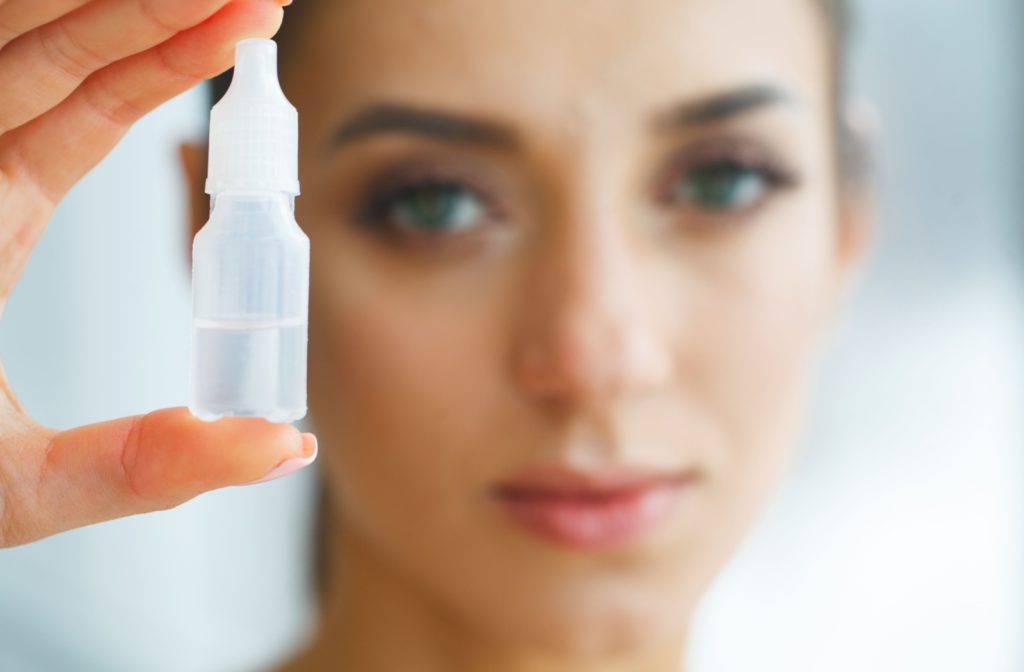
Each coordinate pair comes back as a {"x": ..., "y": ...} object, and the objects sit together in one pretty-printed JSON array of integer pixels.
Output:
[
  {"x": 386, "y": 117},
  {"x": 721, "y": 107}
]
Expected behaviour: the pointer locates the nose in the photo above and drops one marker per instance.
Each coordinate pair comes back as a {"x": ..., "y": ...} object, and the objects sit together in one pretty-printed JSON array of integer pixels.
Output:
[{"x": 590, "y": 335}]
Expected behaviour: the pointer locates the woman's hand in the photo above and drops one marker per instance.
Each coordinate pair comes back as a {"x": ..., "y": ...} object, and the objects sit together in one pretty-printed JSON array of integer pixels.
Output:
[{"x": 74, "y": 76}]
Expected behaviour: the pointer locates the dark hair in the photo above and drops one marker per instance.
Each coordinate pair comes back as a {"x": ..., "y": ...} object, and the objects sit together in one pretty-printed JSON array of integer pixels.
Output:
[{"x": 850, "y": 156}]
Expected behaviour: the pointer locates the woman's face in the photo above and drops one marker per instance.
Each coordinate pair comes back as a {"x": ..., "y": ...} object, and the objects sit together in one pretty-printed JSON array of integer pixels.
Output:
[{"x": 570, "y": 266}]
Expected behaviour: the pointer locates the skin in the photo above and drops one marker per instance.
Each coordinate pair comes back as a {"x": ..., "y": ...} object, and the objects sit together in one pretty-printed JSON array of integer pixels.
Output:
[
  {"x": 592, "y": 320},
  {"x": 579, "y": 319},
  {"x": 75, "y": 75}
]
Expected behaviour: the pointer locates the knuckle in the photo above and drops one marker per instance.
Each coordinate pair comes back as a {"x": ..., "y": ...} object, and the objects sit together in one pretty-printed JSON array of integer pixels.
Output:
[
  {"x": 130, "y": 453},
  {"x": 170, "y": 68},
  {"x": 22, "y": 184},
  {"x": 65, "y": 52},
  {"x": 6, "y": 32},
  {"x": 107, "y": 105},
  {"x": 141, "y": 479},
  {"x": 155, "y": 18}
]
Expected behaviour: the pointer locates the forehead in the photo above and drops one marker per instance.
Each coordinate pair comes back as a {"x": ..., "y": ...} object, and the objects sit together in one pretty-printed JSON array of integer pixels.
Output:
[{"x": 510, "y": 57}]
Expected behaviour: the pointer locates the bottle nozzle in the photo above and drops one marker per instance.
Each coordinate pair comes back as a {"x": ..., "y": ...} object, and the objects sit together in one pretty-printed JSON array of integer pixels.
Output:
[
  {"x": 255, "y": 70},
  {"x": 253, "y": 128}
]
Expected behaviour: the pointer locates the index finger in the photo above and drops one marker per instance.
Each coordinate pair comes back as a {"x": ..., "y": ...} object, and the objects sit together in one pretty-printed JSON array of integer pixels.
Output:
[
  {"x": 21, "y": 16},
  {"x": 41, "y": 67}
]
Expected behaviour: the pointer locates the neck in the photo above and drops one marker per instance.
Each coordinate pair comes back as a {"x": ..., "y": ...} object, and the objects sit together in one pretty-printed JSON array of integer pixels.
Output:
[{"x": 374, "y": 619}]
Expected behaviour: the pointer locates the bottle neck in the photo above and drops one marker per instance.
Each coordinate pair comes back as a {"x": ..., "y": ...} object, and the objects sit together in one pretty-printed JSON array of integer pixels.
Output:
[{"x": 247, "y": 197}]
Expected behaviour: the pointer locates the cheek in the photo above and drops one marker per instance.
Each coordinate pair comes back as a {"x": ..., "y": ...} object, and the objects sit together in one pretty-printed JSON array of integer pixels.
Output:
[
  {"x": 404, "y": 378},
  {"x": 748, "y": 343}
]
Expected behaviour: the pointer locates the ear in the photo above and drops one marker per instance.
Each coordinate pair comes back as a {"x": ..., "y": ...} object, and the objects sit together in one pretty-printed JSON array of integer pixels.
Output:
[
  {"x": 193, "y": 164},
  {"x": 857, "y": 225}
]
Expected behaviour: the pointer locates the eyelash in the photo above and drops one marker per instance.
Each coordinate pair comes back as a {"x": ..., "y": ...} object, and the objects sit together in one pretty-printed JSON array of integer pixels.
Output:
[
  {"x": 389, "y": 191},
  {"x": 392, "y": 190},
  {"x": 732, "y": 154},
  {"x": 382, "y": 200}
]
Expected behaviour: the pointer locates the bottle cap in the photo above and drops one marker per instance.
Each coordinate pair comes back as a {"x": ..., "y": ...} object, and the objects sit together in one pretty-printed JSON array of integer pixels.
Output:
[{"x": 254, "y": 130}]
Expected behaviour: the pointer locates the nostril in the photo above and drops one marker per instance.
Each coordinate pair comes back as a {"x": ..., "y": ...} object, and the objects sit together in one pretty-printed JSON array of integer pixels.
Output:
[
  {"x": 593, "y": 362},
  {"x": 557, "y": 368}
]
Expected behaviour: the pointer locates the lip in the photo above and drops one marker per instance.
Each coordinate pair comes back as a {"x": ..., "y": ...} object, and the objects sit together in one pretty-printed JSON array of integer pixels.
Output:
[{"x": 590, "y": 509}]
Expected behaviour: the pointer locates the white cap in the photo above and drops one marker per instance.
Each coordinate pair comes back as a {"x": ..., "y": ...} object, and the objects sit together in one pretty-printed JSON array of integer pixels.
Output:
[{"x": 254, "y": 130}]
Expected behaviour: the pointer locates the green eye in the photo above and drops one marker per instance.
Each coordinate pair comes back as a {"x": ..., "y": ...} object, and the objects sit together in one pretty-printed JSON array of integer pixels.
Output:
[
  {"x": 436, "y": 208},
  {"x": 723, "y": 186}
]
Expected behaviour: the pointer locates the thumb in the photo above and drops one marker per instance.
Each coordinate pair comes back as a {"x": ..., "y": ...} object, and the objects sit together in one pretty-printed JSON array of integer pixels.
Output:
[{"x": 56, "y": 481}]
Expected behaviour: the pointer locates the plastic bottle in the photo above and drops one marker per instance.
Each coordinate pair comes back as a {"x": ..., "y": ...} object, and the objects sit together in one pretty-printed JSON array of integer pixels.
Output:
[{"x": 250, "y": 262}]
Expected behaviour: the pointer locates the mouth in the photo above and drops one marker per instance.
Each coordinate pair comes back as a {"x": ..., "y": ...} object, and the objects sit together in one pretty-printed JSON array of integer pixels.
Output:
[{"x": 590, "y": 509}]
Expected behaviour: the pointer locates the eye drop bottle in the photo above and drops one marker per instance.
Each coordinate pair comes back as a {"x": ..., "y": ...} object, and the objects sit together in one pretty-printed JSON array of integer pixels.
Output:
[{"x": 250, "y": 262}]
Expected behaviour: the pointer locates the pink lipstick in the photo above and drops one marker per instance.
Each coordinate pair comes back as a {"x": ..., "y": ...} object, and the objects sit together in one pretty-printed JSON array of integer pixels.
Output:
[{"x": 590, "y": 509}]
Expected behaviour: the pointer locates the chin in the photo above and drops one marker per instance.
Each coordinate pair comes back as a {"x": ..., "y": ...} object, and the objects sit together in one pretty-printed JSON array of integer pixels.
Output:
[
  {"x": 580, "y": 618},
  {"x": 603, "y": 628}
]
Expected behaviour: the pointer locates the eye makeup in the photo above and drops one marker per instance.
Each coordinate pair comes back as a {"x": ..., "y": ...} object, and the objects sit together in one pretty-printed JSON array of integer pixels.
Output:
[
  {"x": 436, "y": 201},
  {"x": 426, "y": 201},
  {"x": 723, "y": 178}
]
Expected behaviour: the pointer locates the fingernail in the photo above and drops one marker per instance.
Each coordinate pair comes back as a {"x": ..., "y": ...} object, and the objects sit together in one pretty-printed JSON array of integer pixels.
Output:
[{"x": 294, "y": 464}]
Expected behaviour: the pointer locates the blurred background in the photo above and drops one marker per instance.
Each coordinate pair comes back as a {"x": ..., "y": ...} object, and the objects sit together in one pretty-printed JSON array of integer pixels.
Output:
[{"x": 897, "y": 542}]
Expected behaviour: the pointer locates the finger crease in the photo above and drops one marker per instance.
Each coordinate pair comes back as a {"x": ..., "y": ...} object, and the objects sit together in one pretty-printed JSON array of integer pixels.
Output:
[
  {"x": 66, "y": 52},
  {"x": 166, "y": 64},
  {"x": 6, "y": 33},
  {"x": 24, "y": 169},
  {"x": 130, "y": 454},
  {"x": 111, "y": 107},
  {"x": 151, "y": 15}
]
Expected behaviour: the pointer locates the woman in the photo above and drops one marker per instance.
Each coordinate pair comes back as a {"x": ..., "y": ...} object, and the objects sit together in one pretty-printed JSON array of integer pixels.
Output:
[{"x": 570, "y": 272}]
